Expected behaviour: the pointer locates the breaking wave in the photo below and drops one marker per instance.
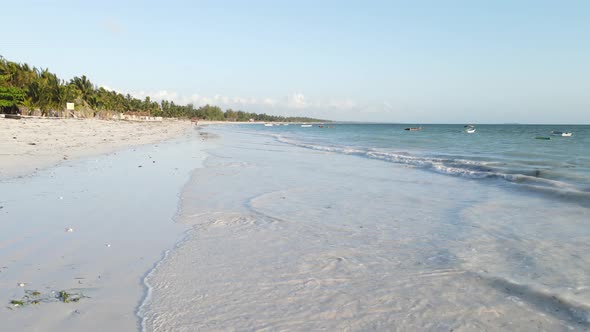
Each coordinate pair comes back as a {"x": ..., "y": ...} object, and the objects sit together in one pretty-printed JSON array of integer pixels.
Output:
[{"x": 527, "y": 179}]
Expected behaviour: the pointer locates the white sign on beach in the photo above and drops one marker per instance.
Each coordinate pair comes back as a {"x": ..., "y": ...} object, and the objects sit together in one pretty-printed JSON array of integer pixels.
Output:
[{"x": 70, "y": 106}]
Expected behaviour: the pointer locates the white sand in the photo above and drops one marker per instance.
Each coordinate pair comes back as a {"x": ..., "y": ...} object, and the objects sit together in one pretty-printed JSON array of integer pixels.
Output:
[
  {"x": 120, "y": 207},
  {"x": 34, "y": 143}
]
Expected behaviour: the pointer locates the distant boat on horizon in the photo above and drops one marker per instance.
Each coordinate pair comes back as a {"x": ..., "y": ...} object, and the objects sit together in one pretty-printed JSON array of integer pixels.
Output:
[
  {"x": 413, "y": 128},
  {"x": 561, "y": 133},
  {"x": 470, "y": 129}
]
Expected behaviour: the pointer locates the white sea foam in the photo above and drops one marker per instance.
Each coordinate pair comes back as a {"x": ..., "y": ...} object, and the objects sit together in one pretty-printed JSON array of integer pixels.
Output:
[{"x": 458, "y": 167}]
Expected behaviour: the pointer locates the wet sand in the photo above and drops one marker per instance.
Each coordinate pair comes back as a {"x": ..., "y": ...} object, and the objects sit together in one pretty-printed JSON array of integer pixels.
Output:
[{"x": 92, "y": 226}]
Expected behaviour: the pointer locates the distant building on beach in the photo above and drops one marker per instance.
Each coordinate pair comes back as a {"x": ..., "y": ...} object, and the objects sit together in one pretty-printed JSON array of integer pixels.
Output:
[{"x": 137, "y": 116}]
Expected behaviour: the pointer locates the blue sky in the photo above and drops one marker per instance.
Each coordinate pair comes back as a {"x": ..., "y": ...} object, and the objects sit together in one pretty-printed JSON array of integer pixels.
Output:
[{"x": 395, "y": 61}]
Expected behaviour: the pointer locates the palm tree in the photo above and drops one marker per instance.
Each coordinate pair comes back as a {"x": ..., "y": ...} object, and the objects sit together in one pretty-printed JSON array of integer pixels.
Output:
[{"x": 85, "y": 87}]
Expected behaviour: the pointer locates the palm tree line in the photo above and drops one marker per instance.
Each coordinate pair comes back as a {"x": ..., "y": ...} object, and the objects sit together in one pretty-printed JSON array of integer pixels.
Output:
[{"x": 25, "y": 89}]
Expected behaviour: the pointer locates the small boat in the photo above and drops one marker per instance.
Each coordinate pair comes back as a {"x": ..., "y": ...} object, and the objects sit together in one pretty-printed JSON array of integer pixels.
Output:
[
  {"x": 305, "y": 125},
  {"x": 413, "y": 128},
  {"x": 321, "y": 126},
  {"x": 268, "y": 124},
  {"x": 470, "y": 129},
  {"x": 543, "y": 137},
  {"x": 561, "y": 133}
]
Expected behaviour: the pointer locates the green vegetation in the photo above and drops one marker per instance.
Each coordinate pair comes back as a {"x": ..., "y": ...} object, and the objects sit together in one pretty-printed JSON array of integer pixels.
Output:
[
  {"x": 35, "y": 297},
  {"x": 17, "y": 303},
  {"x": 11, "y": 97},
  {"x": 64, "y": 296},
  {"x": 30, "y": 90}
]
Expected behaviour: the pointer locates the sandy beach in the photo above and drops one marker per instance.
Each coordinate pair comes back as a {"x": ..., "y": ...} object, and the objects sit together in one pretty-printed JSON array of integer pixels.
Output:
[
  {"x": 34, "y": 143},
  {"x": 255, "y": 228},
  {"x": 91, "y": 224},
  {"x": 288, "y": 166}
]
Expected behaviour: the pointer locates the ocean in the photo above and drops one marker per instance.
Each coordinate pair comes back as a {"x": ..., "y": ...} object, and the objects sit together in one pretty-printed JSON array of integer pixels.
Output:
[
  {"x": 370, "y": 227},
  {"x": 508, "y": 152}
]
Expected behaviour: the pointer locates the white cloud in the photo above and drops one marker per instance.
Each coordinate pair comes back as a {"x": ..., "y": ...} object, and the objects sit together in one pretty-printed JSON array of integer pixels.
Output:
[
  {"x": 300, "y": 101},
  {"x": 342, "y": 104},
  {"x": 158, "y": 95},
  {"x": 292, "y": 104},
  {"x": 269, "y": 102},
  {"x": 113, "y": 26},
  {"x": 297, "y": 100}
]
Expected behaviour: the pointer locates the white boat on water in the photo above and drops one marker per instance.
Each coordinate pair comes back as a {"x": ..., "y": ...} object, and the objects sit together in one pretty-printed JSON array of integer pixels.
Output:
[
  {"x": 268, "y": 124},
  {"x": 306, "y": 125},
  {"x": 561, "y": 133},
  {"x": 470, "y": 129}
]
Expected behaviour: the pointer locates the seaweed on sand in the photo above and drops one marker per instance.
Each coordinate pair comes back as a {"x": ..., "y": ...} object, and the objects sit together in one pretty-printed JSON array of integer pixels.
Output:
[{"x": 35, "y": 297}]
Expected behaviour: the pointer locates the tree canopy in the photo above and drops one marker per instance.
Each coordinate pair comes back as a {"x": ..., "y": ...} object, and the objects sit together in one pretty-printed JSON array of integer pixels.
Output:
[
  {"x": 34, "y": 88},
  {"x": 10, "y": 97}
]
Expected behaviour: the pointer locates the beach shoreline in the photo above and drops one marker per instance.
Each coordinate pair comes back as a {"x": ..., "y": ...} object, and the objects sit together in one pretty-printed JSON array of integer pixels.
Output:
[
  {"x": 31, "y": 144},
  {"x": 95, "y": 224},
  {"x": 278, "y": 241},
  {"x": 227, "y": 228}
]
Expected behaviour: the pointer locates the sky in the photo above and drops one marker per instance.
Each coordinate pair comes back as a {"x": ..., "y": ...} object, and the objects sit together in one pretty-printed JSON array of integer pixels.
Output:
[{"x": 381, "y": 61}]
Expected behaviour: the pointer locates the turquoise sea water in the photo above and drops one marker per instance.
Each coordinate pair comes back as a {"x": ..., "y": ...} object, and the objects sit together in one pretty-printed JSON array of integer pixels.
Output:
[
  {"x": 559, "y": 166},
  {"x": 373, "y": 228}
]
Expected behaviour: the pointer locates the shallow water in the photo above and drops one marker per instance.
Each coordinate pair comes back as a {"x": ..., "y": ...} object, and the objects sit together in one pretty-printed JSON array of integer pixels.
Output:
[
  {"x": 299, "y": 238},
  {"x": 120, "y": 207},
  {"x": 559, "y": 166}
]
